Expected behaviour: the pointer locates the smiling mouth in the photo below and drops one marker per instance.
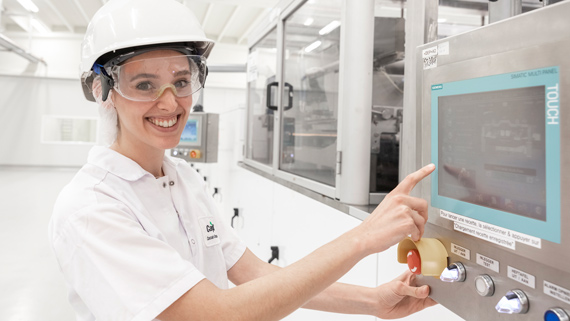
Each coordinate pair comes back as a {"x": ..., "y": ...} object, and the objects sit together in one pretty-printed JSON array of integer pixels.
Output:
[{"x": 164, "y": 122}]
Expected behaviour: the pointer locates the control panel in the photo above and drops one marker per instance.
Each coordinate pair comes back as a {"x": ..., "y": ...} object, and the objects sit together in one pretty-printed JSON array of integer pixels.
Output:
[
  {"x": 494, "y": 121},
  {"x": 199, "y": 140}
]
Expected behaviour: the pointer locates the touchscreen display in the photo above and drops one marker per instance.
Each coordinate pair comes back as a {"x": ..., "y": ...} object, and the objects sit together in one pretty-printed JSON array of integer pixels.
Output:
[
  {"x": 190, "y": 133},
  {"x": 492, "y": 150}
]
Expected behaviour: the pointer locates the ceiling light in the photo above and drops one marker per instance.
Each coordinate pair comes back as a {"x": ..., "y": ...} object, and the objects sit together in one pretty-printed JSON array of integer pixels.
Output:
[
  {"x": 29, "y": 5},
  {"x": 313, "y": 46},
  {"x": 40, "y": 26},
  {"x": 330, "y": 27},
  {"x": 308, "y": 22}
]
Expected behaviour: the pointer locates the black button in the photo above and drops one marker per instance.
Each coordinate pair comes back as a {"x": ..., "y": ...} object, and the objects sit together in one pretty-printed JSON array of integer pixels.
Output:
[{"x": 171, "y": 183}]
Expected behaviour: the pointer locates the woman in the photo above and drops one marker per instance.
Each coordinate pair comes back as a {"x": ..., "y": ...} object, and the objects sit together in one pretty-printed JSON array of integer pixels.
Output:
[{"x": 135, "y": 234}]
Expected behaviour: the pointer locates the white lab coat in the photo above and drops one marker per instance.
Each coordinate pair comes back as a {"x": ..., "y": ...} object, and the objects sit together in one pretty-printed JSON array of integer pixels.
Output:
[{"x": 129, "y": 244}]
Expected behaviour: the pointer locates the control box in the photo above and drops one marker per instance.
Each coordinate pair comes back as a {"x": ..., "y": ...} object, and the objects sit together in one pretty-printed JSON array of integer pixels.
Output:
[
  {"x": 199, "y": 140},
  {"x": 495, "y": 122}
]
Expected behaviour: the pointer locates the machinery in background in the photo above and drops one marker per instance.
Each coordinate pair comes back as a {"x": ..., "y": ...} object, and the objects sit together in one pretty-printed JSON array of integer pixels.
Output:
[
  {"x": 314, "y": 88},
  {"x": 199, "y": 140}
]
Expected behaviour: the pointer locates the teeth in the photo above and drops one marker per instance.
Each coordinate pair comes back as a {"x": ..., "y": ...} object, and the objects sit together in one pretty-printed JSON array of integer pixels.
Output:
[{"x": 163, "y": 123}]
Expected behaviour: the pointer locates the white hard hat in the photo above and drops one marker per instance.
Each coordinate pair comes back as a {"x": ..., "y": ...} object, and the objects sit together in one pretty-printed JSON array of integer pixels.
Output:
[{"x": 123, "y": 25}]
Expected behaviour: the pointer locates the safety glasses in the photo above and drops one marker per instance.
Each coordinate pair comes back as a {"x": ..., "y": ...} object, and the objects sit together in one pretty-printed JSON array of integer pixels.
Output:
[{"x": 147, "y": 79}]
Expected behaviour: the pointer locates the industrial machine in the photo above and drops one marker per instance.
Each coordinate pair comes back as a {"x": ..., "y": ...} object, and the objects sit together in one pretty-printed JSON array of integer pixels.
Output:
[
  {"x": 494, "y": 122},
  {"x": 199, "y": 140},
  {"x": 298, "y": 128}
]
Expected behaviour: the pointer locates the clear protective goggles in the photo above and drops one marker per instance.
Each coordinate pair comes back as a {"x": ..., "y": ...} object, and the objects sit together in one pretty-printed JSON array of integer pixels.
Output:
[{"x": 147, "y": 79}]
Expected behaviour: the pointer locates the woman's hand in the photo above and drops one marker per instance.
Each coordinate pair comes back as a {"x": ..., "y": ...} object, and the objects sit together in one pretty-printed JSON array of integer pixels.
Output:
[
  {"x": 398, "y": 216},
  {"x": 400, "y": 297}
]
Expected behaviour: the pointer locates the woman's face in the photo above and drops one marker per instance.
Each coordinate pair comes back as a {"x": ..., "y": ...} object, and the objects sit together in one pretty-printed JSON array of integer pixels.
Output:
[{"x": 154, "y": 124}]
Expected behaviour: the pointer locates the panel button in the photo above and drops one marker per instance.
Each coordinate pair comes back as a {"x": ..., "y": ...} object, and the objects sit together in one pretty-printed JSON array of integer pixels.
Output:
[
  {"x": 484, "y": 285},
  {"x": 195, "y": 153},
  {"x": 455, "y": 272},
  {"x": 514, "y": 302},
  {"x": 556, "y": 314}
]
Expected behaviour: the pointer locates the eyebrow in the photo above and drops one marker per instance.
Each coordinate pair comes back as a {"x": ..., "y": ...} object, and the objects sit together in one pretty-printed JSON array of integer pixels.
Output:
[
  {"x": 144, "y": 76},
  {"x": 182, "y": 73},
  {"x": 153, "y": 76}
]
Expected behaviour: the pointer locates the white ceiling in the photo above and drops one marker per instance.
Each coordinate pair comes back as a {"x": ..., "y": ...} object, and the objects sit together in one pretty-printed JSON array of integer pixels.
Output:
[{"x": 225, "y": 21}]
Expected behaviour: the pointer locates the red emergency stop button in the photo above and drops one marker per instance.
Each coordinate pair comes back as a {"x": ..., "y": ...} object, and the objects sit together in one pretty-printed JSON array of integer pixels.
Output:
[
  {"x": 414, "y": 262},
  {"x": 195, "y": 153}
]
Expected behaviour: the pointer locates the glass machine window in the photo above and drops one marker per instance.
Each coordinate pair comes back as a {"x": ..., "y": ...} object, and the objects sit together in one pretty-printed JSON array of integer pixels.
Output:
[
  {"x": 310, "y": 98},
  {"x": 387, "y": 95},
  {"x": 261, "y": 87}
]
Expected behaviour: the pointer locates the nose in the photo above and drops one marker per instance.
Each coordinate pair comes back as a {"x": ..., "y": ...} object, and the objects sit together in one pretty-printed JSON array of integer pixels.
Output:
[{"x": 167, "y": 100}]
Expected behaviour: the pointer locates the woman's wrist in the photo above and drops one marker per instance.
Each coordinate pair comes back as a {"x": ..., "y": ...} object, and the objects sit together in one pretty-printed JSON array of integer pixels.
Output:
[{"x": 358, "y": 241}]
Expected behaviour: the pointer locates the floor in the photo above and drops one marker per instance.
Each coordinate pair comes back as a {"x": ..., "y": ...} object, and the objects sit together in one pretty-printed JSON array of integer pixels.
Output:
[{"x": 31, "y": 284}]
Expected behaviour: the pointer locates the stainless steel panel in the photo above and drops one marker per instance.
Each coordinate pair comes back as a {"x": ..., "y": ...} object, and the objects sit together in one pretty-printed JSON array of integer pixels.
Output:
[{"x": 534, "y": 40}]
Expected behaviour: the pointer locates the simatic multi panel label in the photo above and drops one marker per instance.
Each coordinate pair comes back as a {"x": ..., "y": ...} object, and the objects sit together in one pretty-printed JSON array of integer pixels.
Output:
[{"x": 495, "y": 141}]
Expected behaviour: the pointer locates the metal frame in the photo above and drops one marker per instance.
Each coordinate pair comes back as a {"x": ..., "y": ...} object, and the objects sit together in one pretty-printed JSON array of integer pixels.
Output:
[
  {"x": 355, "y": 101},
  {"x": 420, "y": 24},
  {"x": 5, "y": 42}
]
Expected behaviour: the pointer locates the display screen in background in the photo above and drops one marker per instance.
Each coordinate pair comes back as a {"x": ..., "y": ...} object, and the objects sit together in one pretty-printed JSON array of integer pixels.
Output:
[
  {"x": 190, "y": 133},
  {"x": 491, "y": 150}
]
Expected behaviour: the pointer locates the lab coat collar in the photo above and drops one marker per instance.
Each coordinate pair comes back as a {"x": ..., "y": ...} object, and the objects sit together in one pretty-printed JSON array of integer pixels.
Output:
[{"x": 120, "y": 165}]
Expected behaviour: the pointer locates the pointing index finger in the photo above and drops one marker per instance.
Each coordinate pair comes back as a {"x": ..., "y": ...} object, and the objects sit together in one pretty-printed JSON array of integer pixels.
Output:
[{"x": 414, "y": 178}]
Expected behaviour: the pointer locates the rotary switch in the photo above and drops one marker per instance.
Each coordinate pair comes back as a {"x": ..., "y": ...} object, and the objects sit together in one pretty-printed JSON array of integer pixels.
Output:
[
  {"x": 514, "y": 302},
  {"x": 455, "y": 272}
]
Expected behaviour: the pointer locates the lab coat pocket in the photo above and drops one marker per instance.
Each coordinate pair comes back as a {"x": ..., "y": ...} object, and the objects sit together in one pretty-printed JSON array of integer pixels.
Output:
[{"x": 208, "y": 227}]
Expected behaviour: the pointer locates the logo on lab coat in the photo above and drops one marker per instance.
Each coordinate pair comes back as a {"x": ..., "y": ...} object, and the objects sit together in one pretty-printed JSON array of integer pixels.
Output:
[{"x": 209, "y": 232}]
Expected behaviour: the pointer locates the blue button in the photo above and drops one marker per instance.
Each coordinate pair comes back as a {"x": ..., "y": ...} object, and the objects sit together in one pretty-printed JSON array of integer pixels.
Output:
[{"x": 551, "y": 316}]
